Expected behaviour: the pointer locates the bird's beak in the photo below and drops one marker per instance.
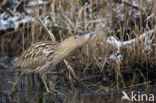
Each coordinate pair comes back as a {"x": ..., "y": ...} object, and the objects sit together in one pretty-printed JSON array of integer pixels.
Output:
[{"x": 93, "y": 34}]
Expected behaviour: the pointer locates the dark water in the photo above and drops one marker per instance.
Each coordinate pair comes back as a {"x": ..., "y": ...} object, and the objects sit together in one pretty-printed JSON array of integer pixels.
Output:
[{"x": 30, "y": 90}]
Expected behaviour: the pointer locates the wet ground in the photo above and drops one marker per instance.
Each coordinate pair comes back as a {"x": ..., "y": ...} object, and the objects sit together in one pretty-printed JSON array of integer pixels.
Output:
[{"x": 30, "y": 90}]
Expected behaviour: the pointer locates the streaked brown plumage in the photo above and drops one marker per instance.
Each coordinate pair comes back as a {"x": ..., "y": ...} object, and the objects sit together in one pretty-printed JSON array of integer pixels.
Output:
[{"x": 42, "y": 56}]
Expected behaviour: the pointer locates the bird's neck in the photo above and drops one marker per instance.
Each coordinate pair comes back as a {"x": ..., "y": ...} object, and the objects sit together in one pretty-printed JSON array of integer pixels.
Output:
[{"x": 64, "y": 49}]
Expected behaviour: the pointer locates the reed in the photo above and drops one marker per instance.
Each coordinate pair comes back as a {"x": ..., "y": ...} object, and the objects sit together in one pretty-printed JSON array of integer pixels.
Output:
[{"x": 92, "y": 62}]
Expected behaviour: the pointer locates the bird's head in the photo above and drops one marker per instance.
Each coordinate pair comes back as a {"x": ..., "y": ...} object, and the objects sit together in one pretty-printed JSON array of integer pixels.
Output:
[
  {"x": 84, "y": 37},
  {"x": 76, "y": 41}
]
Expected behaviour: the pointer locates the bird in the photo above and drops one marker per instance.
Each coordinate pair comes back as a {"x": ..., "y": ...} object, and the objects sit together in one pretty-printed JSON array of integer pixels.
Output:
[
  {"x": 41, "y": 56},
  {"x": 45, "y": 55}
]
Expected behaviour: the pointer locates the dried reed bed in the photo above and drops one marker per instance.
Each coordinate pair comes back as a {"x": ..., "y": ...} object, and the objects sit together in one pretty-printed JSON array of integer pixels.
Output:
[{"x": 92, "y": 62}]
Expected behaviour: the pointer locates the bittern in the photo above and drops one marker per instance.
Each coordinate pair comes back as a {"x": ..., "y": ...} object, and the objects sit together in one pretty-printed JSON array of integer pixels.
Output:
[{"x": 43, "y": 56}]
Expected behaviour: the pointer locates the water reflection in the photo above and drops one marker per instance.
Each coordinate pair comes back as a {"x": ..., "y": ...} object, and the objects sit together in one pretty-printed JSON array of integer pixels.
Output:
[
  {"x": 30, "y": 90},
  {"x": 5, "y": 76},
  {"x": 95, "y": 98}
]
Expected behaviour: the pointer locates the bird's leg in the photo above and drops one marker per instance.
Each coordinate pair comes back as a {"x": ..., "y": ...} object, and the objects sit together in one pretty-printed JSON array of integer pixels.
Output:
[
  {"x": 16, "y": 82},
  {"x": 45, "y": 84}
]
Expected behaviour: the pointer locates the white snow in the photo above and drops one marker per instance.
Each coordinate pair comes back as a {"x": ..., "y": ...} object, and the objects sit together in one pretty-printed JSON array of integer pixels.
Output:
[
  {"x": 37, "y": 2},
  {"x": 8, "y": 22},
  {"x": 149, "y": 17},
  {"x": 28, "y": 10},
  {"x": 92, "y": 21},
  {"x": 113, "y": 41},
  {"x": 134, "y": 3}
]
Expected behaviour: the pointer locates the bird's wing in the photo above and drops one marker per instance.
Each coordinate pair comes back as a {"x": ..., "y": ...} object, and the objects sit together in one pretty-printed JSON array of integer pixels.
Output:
[{"x": 36, "y": 55}]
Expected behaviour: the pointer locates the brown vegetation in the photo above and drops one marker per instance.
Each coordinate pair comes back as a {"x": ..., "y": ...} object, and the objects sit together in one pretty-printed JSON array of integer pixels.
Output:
[{"x": 92, "y": 62}]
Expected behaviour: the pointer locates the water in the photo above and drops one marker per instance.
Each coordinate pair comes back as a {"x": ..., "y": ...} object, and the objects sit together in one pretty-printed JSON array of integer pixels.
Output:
[{"x": 30, "y": 90}]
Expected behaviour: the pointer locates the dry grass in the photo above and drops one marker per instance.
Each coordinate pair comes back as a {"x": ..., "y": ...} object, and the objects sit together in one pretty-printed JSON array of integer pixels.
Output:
[{"x": 92, "y": 62}]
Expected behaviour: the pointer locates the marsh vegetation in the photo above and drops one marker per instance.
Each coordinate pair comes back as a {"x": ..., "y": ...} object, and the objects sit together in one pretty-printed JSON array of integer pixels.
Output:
[{"x": 123, "y": 56}]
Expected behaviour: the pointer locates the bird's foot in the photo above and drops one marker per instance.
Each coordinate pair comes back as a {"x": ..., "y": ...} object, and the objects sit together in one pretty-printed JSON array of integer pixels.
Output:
[
  {"x": 10, "y": 82},
  {"x": 15, "y": 83},
  {"x": 45, "y": 85},
  {"x": 14, "y": 86}
]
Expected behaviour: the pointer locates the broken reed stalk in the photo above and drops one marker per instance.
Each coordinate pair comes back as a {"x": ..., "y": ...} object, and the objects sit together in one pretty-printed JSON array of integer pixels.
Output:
[
  {"x": 48, "y": 31},
  {"x": 138, "y": 84}
]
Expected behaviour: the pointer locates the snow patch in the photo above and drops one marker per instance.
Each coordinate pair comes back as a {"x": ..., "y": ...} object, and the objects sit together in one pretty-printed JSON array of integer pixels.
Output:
[
  {"x": 38, "y": 2},
  {"x": 7, "y": 22},
  {"x": 147, "y": 40}
]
